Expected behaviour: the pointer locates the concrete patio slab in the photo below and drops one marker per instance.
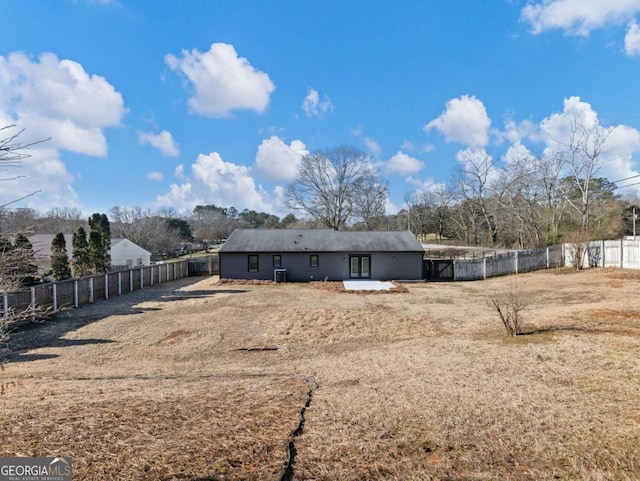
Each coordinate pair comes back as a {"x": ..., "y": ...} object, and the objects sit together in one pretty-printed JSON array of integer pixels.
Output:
[{"x": 368, "y": 285}]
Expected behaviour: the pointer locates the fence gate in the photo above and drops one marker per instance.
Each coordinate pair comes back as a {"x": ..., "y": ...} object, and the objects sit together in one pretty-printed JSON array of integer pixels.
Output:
[{"x": 437, "y": 270}]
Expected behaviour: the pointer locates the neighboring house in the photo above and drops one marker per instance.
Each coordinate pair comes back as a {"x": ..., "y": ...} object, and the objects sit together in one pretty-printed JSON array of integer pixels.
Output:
[
  {"x": 125, "y": 253},
  {"x": 318, "y": 254}
]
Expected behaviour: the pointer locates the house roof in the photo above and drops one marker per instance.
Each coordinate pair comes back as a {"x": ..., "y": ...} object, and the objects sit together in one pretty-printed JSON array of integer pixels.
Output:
[
  {"x": 117, "y": 242},
  {"x": 320, "y": 240}
]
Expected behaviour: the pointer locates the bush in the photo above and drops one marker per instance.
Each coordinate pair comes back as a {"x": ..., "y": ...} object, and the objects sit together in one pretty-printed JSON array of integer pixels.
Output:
[{"x": 510, "y": 306}]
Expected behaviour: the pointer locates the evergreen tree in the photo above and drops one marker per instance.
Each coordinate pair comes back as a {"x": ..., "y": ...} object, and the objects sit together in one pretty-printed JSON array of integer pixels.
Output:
[
  {"x": 80, "y": 253},
  {"x": 60, "y": 258},
  {"x": 96, "y": 252},
  {"x": 25, "y": 271},
  {"x": 101, "y": 259}
]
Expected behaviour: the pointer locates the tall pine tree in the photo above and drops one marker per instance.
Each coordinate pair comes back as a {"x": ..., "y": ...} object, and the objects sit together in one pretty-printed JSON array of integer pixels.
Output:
[
  {"x": 60, "y": 258},
  {"x": 96, "y": 252},
  {"x": 101, "y": 244},
  {"x": 80, "y": 253},
  {"x": 26, "y": 270}
]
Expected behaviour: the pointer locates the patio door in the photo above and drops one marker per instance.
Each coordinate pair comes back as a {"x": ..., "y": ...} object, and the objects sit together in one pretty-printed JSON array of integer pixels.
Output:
[{"x": 360, "y": 267}]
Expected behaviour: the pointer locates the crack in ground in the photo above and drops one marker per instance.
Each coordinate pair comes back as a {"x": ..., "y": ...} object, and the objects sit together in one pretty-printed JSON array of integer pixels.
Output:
[{"x": 292, "y": 452}]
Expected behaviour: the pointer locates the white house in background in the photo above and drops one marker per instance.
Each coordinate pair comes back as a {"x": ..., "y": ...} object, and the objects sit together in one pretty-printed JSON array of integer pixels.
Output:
[{"x": 128, "y": 254}]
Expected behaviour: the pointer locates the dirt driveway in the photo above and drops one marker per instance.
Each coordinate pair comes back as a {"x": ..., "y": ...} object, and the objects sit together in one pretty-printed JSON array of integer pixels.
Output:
[{"x": 200, "y": 380}]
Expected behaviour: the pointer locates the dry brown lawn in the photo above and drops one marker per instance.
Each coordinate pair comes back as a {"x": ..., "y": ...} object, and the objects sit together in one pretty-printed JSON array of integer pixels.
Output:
[{"x": 199, "y": 380}]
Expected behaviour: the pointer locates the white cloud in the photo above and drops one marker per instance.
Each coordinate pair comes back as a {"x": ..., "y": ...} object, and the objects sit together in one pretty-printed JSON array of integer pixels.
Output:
[
  {"x": 390, "y": 208},
  {"x": 617, "y": 163},
  {"x": 404, "y": 164},
  {"x": 632, "y": 40},
  {"x": 425, "y": 186},
  {"x": 277, "y": 161},
  {"x": 516, "y": 131},
  {"x": 43, "y": 173},
  {"x": 56, "y": 99},
  {"x": 314, "y": 107},
  {"x": 465, "y": 120},
  {"x": 517, "y": 153},
  {"x": 477, "y": 160},
  {"x": 372, "y": 146},
  {"x": 222, "y": 81},
  {"x": 370, "y": 143},
  {"x": 407, "y": 145},
  {"x": 215, "y": 181},
  {"x": 622, "y": 142},
  {"x": 155, "y": 176},
  {"x": 578, "y": 17},
  {"x": 163, "y": 142},
  {"x": 556, "y": 129}
]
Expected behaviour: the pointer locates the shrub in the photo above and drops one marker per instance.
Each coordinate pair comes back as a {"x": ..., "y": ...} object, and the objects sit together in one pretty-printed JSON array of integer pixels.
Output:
[{"x": 510, "y": 306}]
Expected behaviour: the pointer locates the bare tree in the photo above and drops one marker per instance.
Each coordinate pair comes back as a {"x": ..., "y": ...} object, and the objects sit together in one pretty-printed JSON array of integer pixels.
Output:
[
  {"x": 21, "y": 219},
  {"x": 475, "y": 185},
  {"x": 12, "y": 152},
  {"x": 335, "y": 186},
  {"x": 146, "y": 228},
  {"x": 61, "y": 219},
  {"x": 581, "y": 155},
  {"x": 371, "y": 202}
]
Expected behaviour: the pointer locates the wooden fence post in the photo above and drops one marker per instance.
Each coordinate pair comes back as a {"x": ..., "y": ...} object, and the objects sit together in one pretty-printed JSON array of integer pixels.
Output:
[
  {"x": 106, "y": 286},
  {"x": 91, "y": 290},
  {"x": 76, "y": 296},
  {"x": 141, "y": 277},
  {"x": 119, "y": 283},
  {"x": 484, "y": 267},
  {"x": 5, "y": 305},
  {"x": 130, "y": 280},
  {"x": 516, "y": 261}
]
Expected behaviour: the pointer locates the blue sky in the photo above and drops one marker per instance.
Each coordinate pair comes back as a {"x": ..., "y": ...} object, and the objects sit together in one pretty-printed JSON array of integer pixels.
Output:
[{"x": 157, "y": 103}]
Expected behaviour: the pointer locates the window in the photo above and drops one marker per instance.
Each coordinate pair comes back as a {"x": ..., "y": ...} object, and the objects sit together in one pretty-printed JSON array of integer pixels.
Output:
[
  {"x": 277, "y": 261},
  {"x": 253, "y": 263},
  {"x": 313, "y": 260}
]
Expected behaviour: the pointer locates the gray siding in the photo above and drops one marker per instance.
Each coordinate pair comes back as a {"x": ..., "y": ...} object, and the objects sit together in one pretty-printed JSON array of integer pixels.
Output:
[{"x": 332, "y": 266}]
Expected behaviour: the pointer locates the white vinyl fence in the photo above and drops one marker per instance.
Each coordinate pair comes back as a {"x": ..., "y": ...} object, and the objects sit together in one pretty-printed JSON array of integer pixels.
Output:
[
  {"x": 508, "y": 263},
  {"x": 623, "y": 253}
]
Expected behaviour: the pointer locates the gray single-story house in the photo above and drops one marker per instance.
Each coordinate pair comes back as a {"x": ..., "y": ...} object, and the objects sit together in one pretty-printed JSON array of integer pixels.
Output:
[{"x": 319, "y": 254}]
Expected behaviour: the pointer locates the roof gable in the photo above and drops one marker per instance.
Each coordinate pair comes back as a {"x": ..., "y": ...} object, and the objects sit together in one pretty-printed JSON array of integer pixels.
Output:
[
  {"x": 320, "y": 240},
  {"x": 126, "y": 244}
]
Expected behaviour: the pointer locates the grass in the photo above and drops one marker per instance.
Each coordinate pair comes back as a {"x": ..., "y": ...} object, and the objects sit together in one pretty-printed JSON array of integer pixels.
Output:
[{"x": 207, "y": 382}]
